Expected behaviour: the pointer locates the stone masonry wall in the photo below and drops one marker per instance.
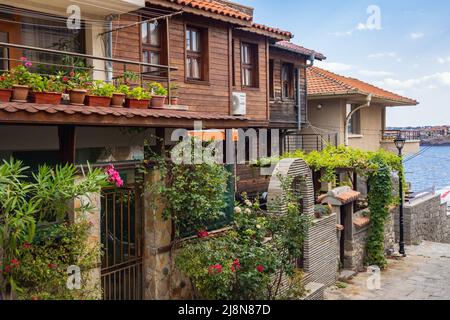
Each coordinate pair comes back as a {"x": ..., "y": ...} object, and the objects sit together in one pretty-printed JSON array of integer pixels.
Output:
[{"x": 425, "y": 220}]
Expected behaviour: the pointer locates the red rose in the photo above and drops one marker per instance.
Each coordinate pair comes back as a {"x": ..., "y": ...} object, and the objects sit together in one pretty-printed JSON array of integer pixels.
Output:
[
  {"x": 215, "y": 268},
  {"x": 52, "y": 266},
  {"x": 27, "y": 245},
  {"x": 235, "y": 265},
  {"x": 7, "y": 269},
  {"x": 65, "y": 79},
  {"x": 202, "y": 234},
  {"x": 260, "y": 268}
]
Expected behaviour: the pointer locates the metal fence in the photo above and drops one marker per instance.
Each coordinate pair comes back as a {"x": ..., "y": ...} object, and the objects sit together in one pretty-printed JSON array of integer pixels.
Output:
[
  {"x": 309, "y": 142},
  {"x": 408, "y": 135}
]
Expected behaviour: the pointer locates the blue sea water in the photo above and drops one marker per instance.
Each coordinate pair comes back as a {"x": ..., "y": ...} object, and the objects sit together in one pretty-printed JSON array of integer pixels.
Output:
[{"x": 432, "y": 168}]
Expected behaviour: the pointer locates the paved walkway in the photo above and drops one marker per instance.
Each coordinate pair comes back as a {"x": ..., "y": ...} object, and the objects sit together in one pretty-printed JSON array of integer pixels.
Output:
[{"x": 423, "y": 275}]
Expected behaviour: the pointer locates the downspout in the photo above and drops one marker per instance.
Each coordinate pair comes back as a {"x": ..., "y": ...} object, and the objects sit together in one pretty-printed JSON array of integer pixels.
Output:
[
  {"x": 109, "y": 48},
  {"x": 311, "y": 59},
  {"x": 350, "y": 115}
]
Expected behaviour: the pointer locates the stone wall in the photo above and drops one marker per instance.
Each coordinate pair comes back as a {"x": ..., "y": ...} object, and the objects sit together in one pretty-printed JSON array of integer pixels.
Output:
[
  {"x": 425, "y": 220},
  {"x": 321, "y": 261}
]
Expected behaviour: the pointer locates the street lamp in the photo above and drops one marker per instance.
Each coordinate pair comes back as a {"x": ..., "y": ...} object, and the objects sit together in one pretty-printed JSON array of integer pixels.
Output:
[{"x": 400, "y": 144}]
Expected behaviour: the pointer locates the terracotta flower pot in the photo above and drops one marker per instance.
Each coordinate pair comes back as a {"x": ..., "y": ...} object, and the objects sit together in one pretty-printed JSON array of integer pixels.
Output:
[
  {"x": 174, "y": 101},
  {"x": 20, "y": 93},
  {"x": 47, "y": 97},
  {"x": 77, "y": 97},
  {"x": 137, "y": 104},
  {"x": 5, "y": 95},
  {"x": 96, "y": 101},
  {"x": 117, "y": 100},
  {"x": 158, "y": 102}
]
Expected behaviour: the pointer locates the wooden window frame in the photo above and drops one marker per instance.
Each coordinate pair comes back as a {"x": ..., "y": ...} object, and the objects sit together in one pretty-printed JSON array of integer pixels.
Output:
[
  {"x": 291, "y": 83},
  {"x": 272, "y": 79},
  {"x": 252, "y": 66},
  {"x": 203, "y": 54},
  {"x": 150, "y": 48}
]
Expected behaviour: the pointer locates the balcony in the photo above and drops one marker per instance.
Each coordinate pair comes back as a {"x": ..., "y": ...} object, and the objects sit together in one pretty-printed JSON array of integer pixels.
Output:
[
  {"x": 412, "y": 138},
  {"x": 309, "y": 142}
]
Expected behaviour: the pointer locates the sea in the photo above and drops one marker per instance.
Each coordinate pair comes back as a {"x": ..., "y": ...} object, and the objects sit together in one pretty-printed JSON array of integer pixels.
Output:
[{"x": 429, "y": 168}]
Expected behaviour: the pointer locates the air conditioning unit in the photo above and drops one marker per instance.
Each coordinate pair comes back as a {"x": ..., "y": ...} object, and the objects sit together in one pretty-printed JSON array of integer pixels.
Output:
[{"x": 239, "y": 104}]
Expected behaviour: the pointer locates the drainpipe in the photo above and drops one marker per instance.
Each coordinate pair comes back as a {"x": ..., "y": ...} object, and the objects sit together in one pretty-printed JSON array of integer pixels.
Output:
[
  {"x": 311, "y": 59},
  {"x": 109, "y": 48},
  {"x": 349, "y": 117}
]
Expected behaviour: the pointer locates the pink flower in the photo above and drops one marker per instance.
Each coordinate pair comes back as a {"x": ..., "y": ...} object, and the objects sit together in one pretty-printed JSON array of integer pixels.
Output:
[
  {"x": 260, "y": 268},
  {"x": 215, "y": 268},
  {"x": 28, "y": 64},
  {"x": 114, "y": 176},
  {"x": 23, "y": 59}
]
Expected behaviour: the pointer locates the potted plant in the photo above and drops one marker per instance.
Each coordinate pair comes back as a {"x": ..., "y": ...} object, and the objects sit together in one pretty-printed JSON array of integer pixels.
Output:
[
  {"x": 99, "y": 94},
  {"x": 47, "y": 90},
  {"x": 5, "y": 87},
  {"x": 20, "y": 77},
  {"x": 119, "y": 95},
  {"x": 138, "y": 98},
  {"x": 77, "y": 82},
  {"x": 159, "y": 94},
  {"x": 173, "y": 95}
]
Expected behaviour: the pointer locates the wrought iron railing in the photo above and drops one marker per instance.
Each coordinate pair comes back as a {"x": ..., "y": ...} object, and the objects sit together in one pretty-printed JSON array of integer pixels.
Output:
[
  {"x": 309, "y": 142},
  {"x": 409, "y": 135}
]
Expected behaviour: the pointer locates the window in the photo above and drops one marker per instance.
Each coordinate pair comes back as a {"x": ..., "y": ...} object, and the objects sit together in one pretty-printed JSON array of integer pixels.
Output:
[
  {"x": 355, "y": 122},
  {"x": 152, "y": 48},
  {"x": 249, "y": 65},
  {"x": 271, "y": 84},
  {"x": 287, "y": 80},
  {"x": 196, "y": 59},
  {"x": 3, "y": 53}
]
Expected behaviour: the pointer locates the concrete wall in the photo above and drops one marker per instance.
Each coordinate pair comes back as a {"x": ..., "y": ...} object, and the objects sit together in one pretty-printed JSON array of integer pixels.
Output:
[{"x": 425, "y": 220}]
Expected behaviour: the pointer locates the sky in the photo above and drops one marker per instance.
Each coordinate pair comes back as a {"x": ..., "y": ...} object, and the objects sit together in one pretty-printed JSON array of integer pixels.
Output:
[{"x": 402, "y": 46}]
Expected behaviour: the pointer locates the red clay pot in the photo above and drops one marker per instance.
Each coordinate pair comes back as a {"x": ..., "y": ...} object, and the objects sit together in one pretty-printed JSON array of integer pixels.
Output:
[
  {"x": 117, "y": 100},
  {"x": 96, "y": 101},
  {"x": 77, "y": 97},
  {"x": 137, "y": 104},
  {"x": 5, "y": 95},
  {"x": 47, "y": 97},
  {"x": 158, "y": 102},
  {"x": 20, "y": 93},
  {"x": 174, "y": 101}
]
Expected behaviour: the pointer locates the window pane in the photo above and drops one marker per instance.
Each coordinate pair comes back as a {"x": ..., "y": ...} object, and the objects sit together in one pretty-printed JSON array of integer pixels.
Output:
[
  {"x": 144, "y": 32},
  {"x": 188, "y": 39},
  {"x": 188, "y": 68},
  {"x": 3, "y": 52},
  {"x": 154, "y": 57},
  {"x": 245, "y": 54},
  {"x": 196, "y": 68},
  {"x": 247, "y": 77},
  {"x": 195, "y": 41},
  {"x": 155, "y": 39}
]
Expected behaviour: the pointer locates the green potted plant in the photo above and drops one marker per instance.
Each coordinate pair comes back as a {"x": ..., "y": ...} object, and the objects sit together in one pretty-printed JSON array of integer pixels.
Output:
[
  {"x": 119, "y": 95},
  {"x": 77, "y": 84},
  {"x": 47, "y": 90},
  {"x": 138, "y": 98},
  {"x": 173, "y": 95},
  {"x": 99, "y": 94},
  {"x": 5, "y": 87},
  {"x": 159, "y": 94},
  {"x": 20, "y": 77}
]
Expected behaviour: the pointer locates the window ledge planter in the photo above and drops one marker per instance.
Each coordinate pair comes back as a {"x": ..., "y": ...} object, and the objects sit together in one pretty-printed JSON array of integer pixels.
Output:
[
  {"x": 47, "y": 97},
  {"x": 97, "y": 101},
  {"x": 117, "y": 100},
  {"x": 137, "y": 104},
  {"x": 20, "y": 93},
  {"x": 157, "y": 102},
  {"x": 174, "y": 101},
  {"x": 77, "y": 96},
  {"x": 5, "y": 95}
]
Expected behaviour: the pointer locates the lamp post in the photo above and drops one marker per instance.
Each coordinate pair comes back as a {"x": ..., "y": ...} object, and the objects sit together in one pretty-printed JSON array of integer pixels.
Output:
[{"x": 400, "y": 144}]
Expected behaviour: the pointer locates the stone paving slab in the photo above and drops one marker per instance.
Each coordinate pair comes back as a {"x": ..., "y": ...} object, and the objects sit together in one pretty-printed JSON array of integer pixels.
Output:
[{"x": 423, "y": 275}]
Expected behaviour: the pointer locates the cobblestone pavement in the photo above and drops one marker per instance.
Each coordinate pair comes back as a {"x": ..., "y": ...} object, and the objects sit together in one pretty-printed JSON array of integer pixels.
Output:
[{"x": 423, "y": 275}]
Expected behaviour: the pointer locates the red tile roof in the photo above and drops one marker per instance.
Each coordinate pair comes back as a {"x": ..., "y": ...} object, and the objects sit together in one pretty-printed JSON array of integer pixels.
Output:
[
  {"x": 107, "y": 116},
  {"x": 272, "y": 30},
  {"x": 348, "y": 197},
  {"x": 325, "y": 83},
  {"x": 286, "y": 45},
  {"x": 214, "y": 7},
  {"x": 361, "y": 222}
]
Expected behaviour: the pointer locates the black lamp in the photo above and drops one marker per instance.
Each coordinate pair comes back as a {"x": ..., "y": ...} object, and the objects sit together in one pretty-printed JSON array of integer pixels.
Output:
[{"x": 400, "y": 144}]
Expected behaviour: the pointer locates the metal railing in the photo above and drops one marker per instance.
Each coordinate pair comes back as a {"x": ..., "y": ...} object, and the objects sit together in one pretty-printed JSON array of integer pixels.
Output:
[
  {"x": 409, "y": 135},
  {"x": 85, "y": 62},
  {"x": 309, "y": 142}
]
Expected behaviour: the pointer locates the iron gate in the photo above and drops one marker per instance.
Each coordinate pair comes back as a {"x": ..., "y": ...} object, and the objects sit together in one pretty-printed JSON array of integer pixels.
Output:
[{"x": 122, "y": 239}]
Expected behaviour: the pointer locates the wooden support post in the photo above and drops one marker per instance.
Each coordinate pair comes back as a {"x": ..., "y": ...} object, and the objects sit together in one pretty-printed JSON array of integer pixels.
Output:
[
  {"x": 160, "y": 148},
  {"x": 67, "y": 144}
]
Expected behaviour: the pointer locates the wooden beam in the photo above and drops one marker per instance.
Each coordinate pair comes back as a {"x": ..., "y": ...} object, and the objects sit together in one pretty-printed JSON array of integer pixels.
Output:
[{"x": 67, "y": 144}]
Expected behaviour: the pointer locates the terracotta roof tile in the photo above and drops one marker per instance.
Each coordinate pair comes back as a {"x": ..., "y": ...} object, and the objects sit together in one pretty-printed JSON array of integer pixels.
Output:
[
  {"x": 325, "y": 83},
  {"x": 272, "y": 30},
  {"x": 286, "y": 45},
  {"x": 361, "y": 222},
  {"x": 348, "y": 197},
  {"x": 214, "y": 7}
]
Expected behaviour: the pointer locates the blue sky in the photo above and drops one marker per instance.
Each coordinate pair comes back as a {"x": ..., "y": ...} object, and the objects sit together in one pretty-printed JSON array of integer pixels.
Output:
[{"x": 409, "y": 54}]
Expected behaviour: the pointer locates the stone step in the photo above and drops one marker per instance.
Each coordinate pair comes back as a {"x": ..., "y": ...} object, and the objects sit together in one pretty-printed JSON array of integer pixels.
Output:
[
  {"x": 315, "y": 291},
  {"x": 346, "y": 274}
]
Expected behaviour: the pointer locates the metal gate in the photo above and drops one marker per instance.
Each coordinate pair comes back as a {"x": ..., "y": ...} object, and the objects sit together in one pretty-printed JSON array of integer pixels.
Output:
[{"x": 122, "y": 239}]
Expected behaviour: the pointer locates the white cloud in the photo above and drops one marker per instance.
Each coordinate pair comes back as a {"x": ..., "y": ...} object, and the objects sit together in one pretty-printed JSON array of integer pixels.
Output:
[
  {"x": 416, "y": 35},
  {"x": 435, "y": 80},
  {"x": 375, "y": 73},
  {"x": 334, "y": 66},
  {"x": 342, "y": 34},
  {"x": 443, "y": 60},
  {"x": 361, "y": 26},
  {"x": 381, "y": 55}
]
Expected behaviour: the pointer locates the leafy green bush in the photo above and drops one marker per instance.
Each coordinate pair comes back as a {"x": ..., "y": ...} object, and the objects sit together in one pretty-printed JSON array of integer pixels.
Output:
[
  {"x": 102, "y": 89},
  {"x": 139, "y": 93}
]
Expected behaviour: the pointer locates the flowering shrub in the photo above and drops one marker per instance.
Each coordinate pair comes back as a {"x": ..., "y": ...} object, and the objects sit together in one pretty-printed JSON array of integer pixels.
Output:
[
  {"x": 114, "y": 176},
  {"x": 254, "y": 259}
]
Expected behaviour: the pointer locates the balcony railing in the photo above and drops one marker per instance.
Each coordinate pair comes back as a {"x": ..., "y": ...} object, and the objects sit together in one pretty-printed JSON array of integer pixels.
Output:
[
  {"x": 57, "y": 60},
  {"x": 309, "y": 142},
  {"x": 408, "y": 135}
]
